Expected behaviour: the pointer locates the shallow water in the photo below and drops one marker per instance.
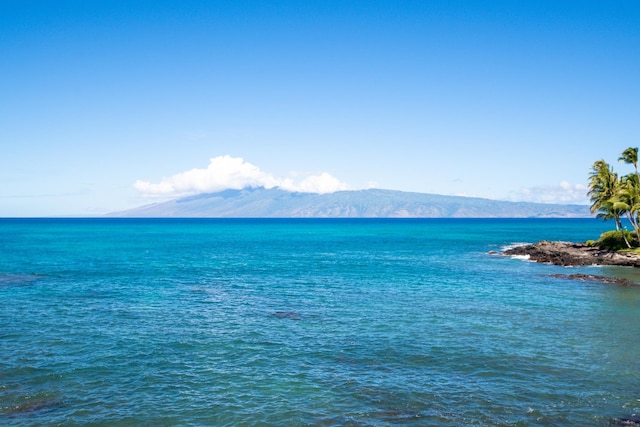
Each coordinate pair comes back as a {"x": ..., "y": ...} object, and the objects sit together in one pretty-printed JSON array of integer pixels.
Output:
[{"x": 308, "y": 322}]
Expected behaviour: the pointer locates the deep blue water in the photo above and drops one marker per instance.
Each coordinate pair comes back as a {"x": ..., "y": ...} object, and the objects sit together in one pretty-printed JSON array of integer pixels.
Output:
[{"x": 117, "y": 322}]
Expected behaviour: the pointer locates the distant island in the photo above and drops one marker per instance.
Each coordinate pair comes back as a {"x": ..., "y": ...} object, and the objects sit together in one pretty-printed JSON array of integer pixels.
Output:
[{"x": 260, "y": 202}]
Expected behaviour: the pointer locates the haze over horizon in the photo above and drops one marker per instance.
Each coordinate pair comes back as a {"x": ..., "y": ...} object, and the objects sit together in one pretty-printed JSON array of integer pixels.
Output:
[{"x": 111, "y": 105}]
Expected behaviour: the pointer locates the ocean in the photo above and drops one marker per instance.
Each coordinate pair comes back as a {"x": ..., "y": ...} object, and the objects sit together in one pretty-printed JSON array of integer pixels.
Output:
[{"x": 318, "y": 322}]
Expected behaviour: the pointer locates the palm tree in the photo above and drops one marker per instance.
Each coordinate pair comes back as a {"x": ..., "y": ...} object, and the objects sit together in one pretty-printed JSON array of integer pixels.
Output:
[
  {"x": 603, "y": 187},
  {"x": 631, "y": 188},
  {"x": 628, "y": 199},
  {"x": 630, "y": 156}
]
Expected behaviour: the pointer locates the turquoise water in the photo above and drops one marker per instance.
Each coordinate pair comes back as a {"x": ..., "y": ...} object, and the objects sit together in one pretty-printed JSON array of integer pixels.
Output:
[{"x": 308, "y": 322}]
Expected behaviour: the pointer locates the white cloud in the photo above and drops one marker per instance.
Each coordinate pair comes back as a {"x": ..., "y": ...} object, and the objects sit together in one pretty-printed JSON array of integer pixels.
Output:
[
  {"x": 226, "y": 172},
  {"x": 323, "y": 183},
  {"x": 564, "y": 193}
]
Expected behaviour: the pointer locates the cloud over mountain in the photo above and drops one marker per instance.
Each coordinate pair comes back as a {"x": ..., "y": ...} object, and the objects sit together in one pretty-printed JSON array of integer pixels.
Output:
[
  {"x": 278, "y": 203},
  {"x": 561, "y": 193},
  {"x": 226, "y": 172}
]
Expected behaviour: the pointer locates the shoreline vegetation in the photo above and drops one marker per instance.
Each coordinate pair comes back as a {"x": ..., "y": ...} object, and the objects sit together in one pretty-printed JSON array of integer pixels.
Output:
[{"x": 612, "y": 198}]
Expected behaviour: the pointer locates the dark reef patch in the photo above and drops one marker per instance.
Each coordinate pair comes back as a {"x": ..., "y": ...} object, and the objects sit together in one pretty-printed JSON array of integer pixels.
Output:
[
  {"x": 31, "y": 406},
  {"x": 18, "y": 279},
  {"x": 291, "y": 315}
]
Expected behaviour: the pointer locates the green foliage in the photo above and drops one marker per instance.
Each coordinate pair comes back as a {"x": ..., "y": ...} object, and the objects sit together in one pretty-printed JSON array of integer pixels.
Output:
[
  {"x": 616, "y": 197},
  {"x": 614, "y": 240}
]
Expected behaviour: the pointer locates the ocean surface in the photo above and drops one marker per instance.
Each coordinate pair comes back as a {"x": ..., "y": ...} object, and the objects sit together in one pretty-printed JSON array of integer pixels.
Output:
[{"x": 139, "y": 322}]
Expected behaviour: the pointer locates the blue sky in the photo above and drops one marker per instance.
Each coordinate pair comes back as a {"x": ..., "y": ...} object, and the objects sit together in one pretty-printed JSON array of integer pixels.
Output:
[{"x": 108, "y": 105}]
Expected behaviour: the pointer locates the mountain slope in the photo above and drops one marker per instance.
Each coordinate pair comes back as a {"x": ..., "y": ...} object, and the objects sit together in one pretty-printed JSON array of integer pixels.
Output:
[{"x": 276, "y": 203}]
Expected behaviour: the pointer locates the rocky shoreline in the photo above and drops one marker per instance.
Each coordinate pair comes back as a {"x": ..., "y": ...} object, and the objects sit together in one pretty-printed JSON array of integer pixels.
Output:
[{"x": 573, "y": 254}]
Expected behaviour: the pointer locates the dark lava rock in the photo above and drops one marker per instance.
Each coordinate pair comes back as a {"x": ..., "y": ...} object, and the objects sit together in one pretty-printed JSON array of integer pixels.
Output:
[
  {"x": 632, "y": 420},
  {"x": 574, "y": 254},
  {"x": 600, "y": 279}
]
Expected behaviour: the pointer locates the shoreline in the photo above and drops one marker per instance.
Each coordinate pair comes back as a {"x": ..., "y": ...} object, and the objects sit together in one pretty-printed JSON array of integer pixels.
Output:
[{"x": 569, "y": 254}]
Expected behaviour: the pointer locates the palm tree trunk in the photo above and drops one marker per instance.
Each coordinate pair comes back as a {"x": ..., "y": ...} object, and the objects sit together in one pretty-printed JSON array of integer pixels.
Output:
[
  {"x": 616, "y": 220},
  {"x": 624, "y": 235},
  {"x": 634, "y": 224}
]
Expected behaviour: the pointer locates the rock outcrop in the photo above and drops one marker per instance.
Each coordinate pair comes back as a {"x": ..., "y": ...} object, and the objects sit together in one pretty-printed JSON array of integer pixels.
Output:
[
  {"x": 619, "y": 281},
  {"x": 574, "y": 254}
]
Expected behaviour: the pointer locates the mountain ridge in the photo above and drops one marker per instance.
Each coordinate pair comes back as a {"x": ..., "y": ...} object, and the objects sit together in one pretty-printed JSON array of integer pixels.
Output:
[{"x": 259, "y": 202}]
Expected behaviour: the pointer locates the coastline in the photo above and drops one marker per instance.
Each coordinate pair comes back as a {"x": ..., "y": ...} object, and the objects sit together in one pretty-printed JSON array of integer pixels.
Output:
[
  {"x": 573, "y": 254},
  {"x": 569, "y": 254}
]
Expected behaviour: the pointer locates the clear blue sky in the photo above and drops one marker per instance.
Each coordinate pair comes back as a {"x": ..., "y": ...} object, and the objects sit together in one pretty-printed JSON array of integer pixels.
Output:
[{"x": 105, "y": 104}]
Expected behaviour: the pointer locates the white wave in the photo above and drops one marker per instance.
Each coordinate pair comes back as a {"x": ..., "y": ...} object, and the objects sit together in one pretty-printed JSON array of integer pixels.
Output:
[{"x": 513, "y": 245}]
